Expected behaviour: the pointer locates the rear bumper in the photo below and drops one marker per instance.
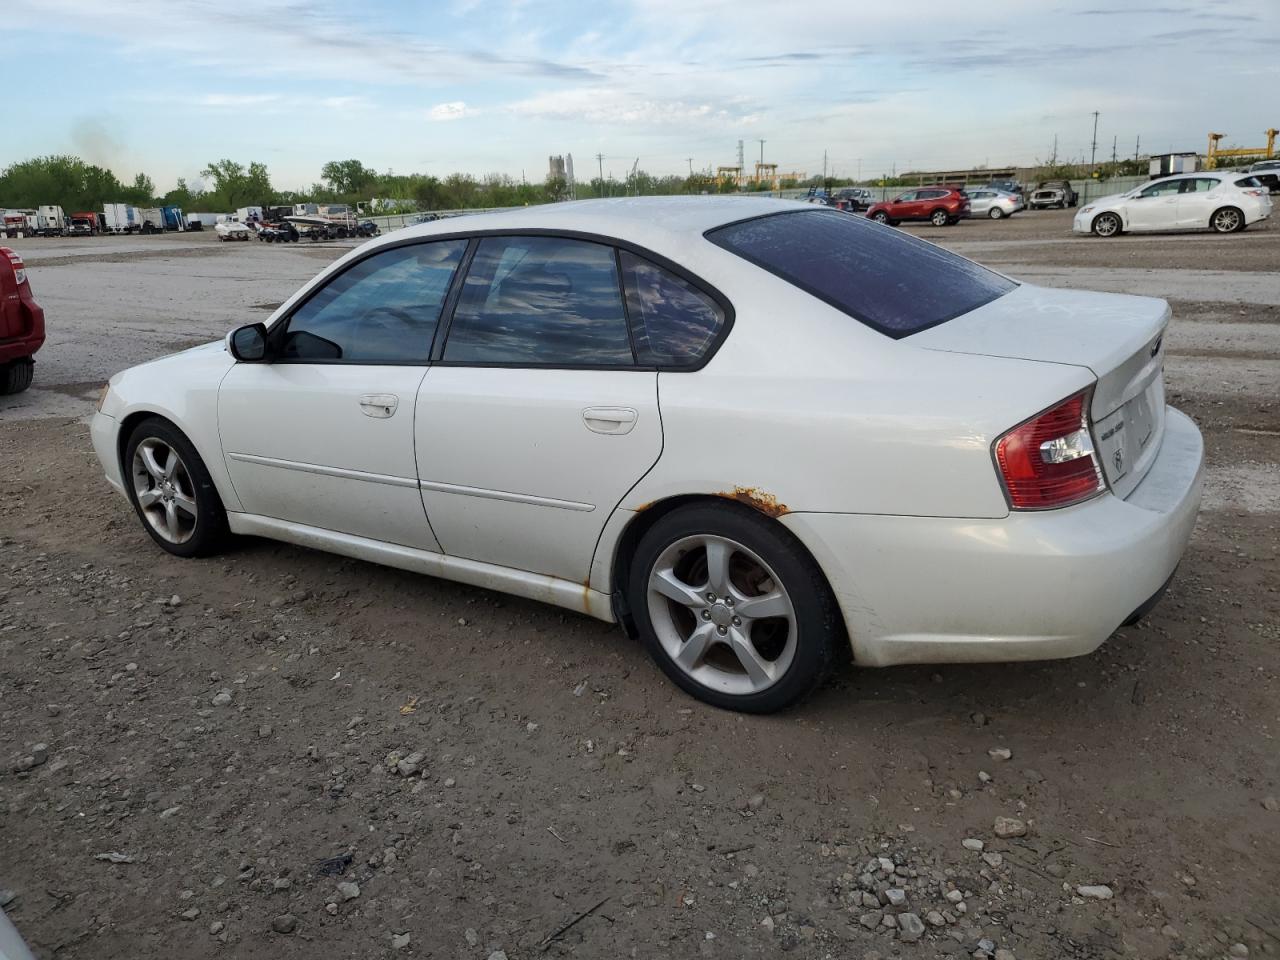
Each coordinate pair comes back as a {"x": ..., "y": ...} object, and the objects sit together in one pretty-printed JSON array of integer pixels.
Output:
[{"x": 1029, "y": 586}]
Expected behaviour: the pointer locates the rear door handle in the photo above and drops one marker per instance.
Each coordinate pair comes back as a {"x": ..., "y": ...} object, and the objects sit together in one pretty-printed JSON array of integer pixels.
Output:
[
  {"x": 610, "y": 420},
  {"x": 380, "y": 405}
]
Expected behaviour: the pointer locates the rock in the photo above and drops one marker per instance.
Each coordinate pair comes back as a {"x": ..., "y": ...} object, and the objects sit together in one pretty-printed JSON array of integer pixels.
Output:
[
  {"x": 349, "y": 890},
  {"x": 471, "y": 937},
  {"x": 984, "y": 776},
  {"x": 934, "y": 919},
  {"x": 190, "y": 914},
  {"x": 870, "y": 920},
  {"x": 216, "y": 928},
  {"x": 1238, "y": 950},
  {"x": 896, "y": 898},
  {"x": 767, "y": 923},
  {"x": 954, "y": 896},
  {"x": 1095, "y": 892},
  {"x": 222, "y": 698},
  {"x": 331, "y": 908},
  {"x": 973, "y": 843},
  {"x": 992, "y": 859},
  {"x": 264, "y": 731},
  {"x": 1270, "y": 803},
  {"x": 285, "y": 923},
  {"x": 281, "y": 883},
  {"x": 987, "y": 945},
  {"x": 1004, "y": 954},
  {"x": 1169, "y": 931},
  {"x": 756, "y": 802},
  {"x": 175, "y": 601},
  {"x": 886, "y": 865},
  {"x": 910, "y": 928},
  {"x": 1056, "y": 869},
  {"x": 890, "y": 921},
  {"x": 399, "y": 941},
  {"x": 871, "y": 901},
  {"x": 1006, "y": 827},
  {"x": 1000, "y": 753},
  {"x": 411, "y": 764},
  {"x": 7, "y": 897}
]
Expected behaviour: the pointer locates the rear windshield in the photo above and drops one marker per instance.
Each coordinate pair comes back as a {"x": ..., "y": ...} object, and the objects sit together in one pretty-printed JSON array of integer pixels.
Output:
[{"x": 887, "y": 279}]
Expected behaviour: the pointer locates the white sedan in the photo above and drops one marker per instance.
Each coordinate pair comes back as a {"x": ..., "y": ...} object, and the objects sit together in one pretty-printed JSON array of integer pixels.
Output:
[
  {"x": 1221, "y": 201},
  {"x": 232, "y": 230},
  {"x": 749, "y": 430}
]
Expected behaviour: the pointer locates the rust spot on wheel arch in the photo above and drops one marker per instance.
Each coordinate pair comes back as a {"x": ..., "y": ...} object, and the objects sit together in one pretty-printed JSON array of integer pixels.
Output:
[{"x": 766, "y": 503}]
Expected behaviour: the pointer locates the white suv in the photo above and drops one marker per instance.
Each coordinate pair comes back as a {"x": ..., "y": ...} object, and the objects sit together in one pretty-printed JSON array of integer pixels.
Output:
[{"x": 1222, "y": 201}]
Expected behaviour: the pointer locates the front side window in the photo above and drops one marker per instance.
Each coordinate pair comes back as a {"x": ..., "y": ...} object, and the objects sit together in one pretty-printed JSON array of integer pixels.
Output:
[
  {"x": 673, "y": 322},
  {"x": 382, "y": 310},
  {"x": 540, "y": 301},
  {"x": 906, "y": 197},
  {"x": 889, "y": 280},
  {"x": 1163, "y": 189}
]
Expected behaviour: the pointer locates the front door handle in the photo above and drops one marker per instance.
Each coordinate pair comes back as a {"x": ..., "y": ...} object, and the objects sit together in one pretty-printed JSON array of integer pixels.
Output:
[
  {"x": 610, "y": 420},
  {"x": 380, "y": 405}
]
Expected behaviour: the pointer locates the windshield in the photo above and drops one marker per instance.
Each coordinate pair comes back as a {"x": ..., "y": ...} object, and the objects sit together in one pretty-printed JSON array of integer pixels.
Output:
[{"x": 891, "y": 281}]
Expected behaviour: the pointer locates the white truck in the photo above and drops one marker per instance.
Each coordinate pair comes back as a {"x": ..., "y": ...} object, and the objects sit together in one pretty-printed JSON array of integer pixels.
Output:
[
  {"x": 121, "y": 218},
  {"x": 249, "y": 214},
  {"x": 48, "y": 221}
]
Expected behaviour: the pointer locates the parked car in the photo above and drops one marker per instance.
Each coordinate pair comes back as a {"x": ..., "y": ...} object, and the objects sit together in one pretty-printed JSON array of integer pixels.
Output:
[
  {"x": 1008, "y": 186},
  {"x": 367, "y": 228},
  {"x": 1053, "y": 193},
  {"x": 21, "y": 324},
  {"x": 232, "y": 230},
  {"x": 938, "y": 205},
  {"x": 1266, "y": 172},
  {"x": 854, "y": 199},
  {"x": 995, "y": 204},
  {"x": 616, "y": 421},
  {"x": 1209, "y": 200}
]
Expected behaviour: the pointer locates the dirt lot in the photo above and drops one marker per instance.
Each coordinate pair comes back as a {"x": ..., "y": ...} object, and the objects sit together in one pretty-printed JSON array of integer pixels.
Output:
[{"x": 561, "y": 772}]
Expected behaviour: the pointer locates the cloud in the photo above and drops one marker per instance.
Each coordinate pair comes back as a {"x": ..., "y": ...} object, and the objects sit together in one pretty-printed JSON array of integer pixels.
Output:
[
  {"x": 614, "y": 106},
  {"x": 454, "y": 110},
  {"x": 236, "y": 99}
]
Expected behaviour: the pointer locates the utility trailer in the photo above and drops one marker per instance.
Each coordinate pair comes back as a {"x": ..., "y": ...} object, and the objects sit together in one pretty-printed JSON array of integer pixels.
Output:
[{"x": 121, "y": 218}]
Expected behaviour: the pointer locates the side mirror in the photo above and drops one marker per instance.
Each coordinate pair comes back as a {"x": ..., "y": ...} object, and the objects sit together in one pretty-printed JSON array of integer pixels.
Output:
[{"x": 248, "y": 344}]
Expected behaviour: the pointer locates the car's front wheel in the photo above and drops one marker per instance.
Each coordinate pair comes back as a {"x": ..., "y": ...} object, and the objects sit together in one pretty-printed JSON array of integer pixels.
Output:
[
  {"x": 1107, "y": 225},
  {"x": 172, "y": 491},
  {"x": 880, "y": 217},
  {"x": 732, "y": 607}
]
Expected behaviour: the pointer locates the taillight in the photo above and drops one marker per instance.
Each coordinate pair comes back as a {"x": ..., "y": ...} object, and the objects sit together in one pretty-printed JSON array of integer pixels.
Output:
[
  {"x": 1049, "y": 460},
  {"x": 19, "y": 271}
]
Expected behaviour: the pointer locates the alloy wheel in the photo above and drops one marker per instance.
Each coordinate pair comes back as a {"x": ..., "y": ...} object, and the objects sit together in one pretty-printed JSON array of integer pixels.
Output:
[
  {"x": 1107, "y": 225},
  {"x": 1226, "y": 221},
  {"x": 165, "y": 493},
  {"x": 939, "y": 218},
  {"x": 721, "y": 614}
]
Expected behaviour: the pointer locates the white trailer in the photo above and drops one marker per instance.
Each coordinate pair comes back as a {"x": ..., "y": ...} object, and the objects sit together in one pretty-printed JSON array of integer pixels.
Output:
[
  {"x": 50, "y": 221},
  {"x": 207, "y": 219},
  {"x": 246, "y": 214},
  {"x": 152, "y": 219},
  {"x": 121, "y": 218}
]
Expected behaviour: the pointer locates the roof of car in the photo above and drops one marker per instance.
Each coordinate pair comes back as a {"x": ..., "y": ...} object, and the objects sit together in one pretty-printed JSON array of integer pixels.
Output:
[{"x": 644, "y": 220}]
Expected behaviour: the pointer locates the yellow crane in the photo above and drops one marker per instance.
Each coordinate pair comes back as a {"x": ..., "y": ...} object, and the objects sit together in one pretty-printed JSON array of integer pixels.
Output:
[{"x": 1211, "y": 158}]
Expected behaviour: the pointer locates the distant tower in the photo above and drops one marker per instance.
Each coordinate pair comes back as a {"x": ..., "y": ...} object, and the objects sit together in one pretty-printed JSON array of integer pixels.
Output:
[
  {"x": 741, "y": 161},
  {"x": 555, "y": 167},
  {"x": 568, "y": 173}
]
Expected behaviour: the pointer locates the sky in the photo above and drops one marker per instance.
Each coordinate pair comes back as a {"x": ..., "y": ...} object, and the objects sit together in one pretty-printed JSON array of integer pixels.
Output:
[{"x": 166, "y": 86}]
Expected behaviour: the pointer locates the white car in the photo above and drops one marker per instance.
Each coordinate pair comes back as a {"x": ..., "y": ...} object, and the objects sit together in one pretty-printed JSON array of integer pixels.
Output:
[
  {"x": 232, "y": 230},
  {"x": 751, "y": 430},
  {"x": 1222, "y": 201}
]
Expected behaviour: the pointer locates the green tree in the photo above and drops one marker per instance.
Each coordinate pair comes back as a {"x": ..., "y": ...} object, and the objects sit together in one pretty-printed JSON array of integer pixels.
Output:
[{"x": 348, "y": 176}]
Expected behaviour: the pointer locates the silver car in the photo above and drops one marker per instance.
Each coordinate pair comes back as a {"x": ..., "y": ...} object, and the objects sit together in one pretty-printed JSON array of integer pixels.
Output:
[{"x": 995, "y": 204}]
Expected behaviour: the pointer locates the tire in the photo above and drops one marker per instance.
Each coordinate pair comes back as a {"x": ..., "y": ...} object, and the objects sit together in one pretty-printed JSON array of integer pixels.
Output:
[
  {"x": 185, "y": 517},
  {"x": 1227, "y": 220},
  {"x": 1107, "y": 225},
  {"x": 16, "y": 376},
  {"x": 880, "y": 217},
  {"x": 754, "y": 664},
  {"x": 939, "y": 218},
  {"x": 995, "y": 213}
]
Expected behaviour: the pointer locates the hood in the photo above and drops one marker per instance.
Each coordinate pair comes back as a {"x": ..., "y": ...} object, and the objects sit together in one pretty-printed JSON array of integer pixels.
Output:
[{"x": 1101, "y": 201}]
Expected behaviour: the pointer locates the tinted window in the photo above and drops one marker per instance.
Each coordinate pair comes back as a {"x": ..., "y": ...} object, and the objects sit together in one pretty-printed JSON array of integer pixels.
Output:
[
  {"x": 905, "y": 197},
  {"x": 382, "y": 310},
  {"x": 931, "y": 194},
  {"x": 540, "y": 301},
  {"x": 887, "y": 279},
  {"x": 1200, "y": 185},
  {"x": 673, "y": 323},
  {"x": 1164, "y": 188}
]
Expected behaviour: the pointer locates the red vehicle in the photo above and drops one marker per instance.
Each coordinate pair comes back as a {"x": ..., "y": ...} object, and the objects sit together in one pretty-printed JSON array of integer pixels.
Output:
[
  {"x": 21, "y": 324},
  {"x": 939, "y": 205},
  {"x": 84, "y": 224}
]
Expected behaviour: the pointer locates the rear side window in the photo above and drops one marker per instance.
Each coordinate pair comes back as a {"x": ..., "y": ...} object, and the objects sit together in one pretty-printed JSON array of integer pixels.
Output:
[
  {"x": 673, "y": 323},
  {"x": 887, "y": 279},
  {"x": 540, "y": 301}
]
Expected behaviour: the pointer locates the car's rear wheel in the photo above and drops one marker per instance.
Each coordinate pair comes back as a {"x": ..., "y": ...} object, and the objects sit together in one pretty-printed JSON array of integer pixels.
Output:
[
  {"x": 16, "y": 376},
  {"x": 732, "y": 607},
  {"x": 1107, "y": 225},
  {"x": 1227, "y": 220},
  {"x": 939, "y": 218},
  {"x": 995, "y": 213},
  {"x": 172, "y": 491}
]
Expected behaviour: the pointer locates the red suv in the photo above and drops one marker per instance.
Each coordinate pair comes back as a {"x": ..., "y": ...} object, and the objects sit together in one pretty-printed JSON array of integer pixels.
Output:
[
  {"x": 939, "y": 205},
  {"x": 21, "y": 324}
]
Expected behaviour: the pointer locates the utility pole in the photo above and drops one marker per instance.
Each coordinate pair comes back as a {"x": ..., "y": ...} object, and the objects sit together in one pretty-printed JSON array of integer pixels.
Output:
[
  {"x": 1114, "y": 141},
  {"x": 600, "y": 163},
  {"x": 1053, "y": 160},
  {"x": 762, "y": 151},
  {"x": 1093, "y": 148},
  {"x": 824, "y": 167},
  {"x": 1136, "y": 144},
  {"x": 690, "y": 159}
]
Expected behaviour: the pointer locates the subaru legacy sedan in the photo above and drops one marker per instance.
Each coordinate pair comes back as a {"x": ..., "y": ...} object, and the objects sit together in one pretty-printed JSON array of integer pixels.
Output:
[{"x": 750, "y": 431}]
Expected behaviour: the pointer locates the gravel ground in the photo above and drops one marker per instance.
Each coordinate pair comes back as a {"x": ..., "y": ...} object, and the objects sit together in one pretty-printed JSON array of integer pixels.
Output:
[{"x": 281, "y": 753}]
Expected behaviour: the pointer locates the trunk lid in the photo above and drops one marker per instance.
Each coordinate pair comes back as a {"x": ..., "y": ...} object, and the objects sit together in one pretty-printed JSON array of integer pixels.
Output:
[{"x": 1120, "y": 339}]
